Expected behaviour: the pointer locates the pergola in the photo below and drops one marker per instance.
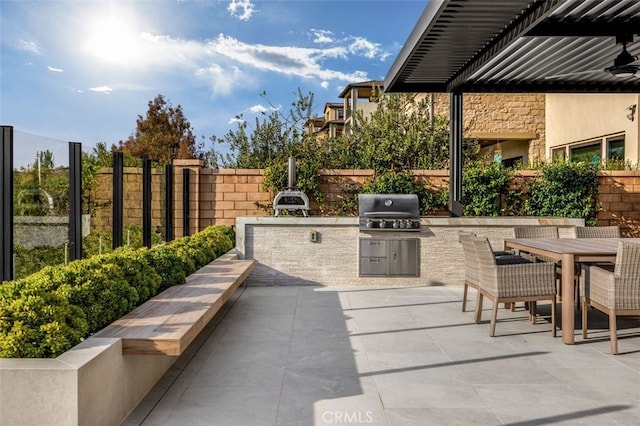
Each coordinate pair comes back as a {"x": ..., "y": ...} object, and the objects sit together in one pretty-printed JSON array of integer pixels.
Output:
[{"x": 517, "y": 46}]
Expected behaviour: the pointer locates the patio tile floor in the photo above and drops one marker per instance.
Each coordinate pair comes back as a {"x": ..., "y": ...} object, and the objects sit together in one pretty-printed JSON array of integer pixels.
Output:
[{"x": 392, "y": 356}]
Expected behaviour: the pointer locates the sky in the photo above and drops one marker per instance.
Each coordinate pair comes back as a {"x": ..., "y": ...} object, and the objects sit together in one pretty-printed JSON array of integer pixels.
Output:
[{"x": 83, "y": 71}]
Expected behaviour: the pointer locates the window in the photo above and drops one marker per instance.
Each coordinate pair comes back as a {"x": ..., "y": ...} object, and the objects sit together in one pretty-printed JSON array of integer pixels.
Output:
[
  {"x": 615, "y": 149},
  {"x": 559, "y": 155},
  {"x": 604, "y": 149},
  {"x": 340, "y": 114},
  {"x": 591, "y": 153},
  {"x": 515, "y": 162}
]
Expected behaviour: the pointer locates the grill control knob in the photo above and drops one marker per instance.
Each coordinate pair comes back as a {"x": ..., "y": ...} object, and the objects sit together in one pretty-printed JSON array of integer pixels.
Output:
[
  {"x": 396, "y": 224},
  {"x": 369, "y": 223},
  {"x": 383, "y": 224}
]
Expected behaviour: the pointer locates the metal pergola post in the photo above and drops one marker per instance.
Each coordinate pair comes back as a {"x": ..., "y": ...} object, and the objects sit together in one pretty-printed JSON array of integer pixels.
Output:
[
  {"x": 75, "y": 201},
  {"x": 118, "y": 197},
  {"x": 168, "y": 205},
  {"x": 146, "y": 202},
  {"x": 455, "y": 155},
  {"x": 186, "y": 177},
  {"x": 6, "y": 222}
]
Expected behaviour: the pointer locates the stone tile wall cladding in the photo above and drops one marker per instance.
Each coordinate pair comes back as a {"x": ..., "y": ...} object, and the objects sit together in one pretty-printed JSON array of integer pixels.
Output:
[
  {"x": 502, "y": 113},
  {"x": 218, "y": 196}
]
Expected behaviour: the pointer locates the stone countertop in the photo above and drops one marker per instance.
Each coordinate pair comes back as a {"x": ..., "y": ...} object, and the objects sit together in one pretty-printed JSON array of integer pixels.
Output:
[{"x": 501, "y": 221}]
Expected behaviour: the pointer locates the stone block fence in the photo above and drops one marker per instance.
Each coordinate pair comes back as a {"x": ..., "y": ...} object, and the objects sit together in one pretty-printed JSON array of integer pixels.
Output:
[{"x": 218, "y": 196}]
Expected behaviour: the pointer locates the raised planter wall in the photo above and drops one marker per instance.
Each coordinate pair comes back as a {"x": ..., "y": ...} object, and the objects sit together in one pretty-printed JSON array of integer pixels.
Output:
[{"x": 92, "y": 383}]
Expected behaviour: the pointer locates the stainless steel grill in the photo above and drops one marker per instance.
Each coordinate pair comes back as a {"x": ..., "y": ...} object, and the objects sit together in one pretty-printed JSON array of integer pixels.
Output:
[{"x": 389, "y": 212}]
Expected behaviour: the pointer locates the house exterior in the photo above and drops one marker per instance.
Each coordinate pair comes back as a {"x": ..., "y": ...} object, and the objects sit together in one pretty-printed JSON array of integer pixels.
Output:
[
  {"x": 359, "y": 97},
  {"x": 330, "y": 125},
  {"x": 593, "y": 127},
  {"x": 520, "y": 128},
  {"x": 509, "y": 127}
]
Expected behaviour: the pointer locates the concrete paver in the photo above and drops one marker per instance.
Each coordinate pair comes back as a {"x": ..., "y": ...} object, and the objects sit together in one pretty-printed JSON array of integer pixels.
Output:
[{"x": 392, "y": 356}]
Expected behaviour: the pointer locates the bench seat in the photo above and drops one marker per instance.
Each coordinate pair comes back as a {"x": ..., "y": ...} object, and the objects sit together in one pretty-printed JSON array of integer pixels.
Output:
[{"x": 167, "y": 323}]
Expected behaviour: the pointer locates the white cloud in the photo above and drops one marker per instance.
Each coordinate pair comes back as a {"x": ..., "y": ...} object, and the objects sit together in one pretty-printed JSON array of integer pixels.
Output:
[
  {"x": 29, "y": 46},
  {"x": 226, "y": 63},
  {"x": 258, "y": 109},
  {"x": 101, "y": 89},
  {"x": 324, "y": 84},
  {"x": 235, "y": 120},
  {"x": 293, "y": 61},
  {"x": 361, "y": 45},
  {"x": 322, "y": 36},
  {"x": 345, "y": 45},
  {"x": 241, "y": 9},
  {"x": 221, "y": 80},
  {"x": 50, "y": 68}
]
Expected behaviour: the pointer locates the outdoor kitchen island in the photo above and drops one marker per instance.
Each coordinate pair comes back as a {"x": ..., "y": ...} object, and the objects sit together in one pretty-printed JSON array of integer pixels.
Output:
[{"x": 326, "y": 250}]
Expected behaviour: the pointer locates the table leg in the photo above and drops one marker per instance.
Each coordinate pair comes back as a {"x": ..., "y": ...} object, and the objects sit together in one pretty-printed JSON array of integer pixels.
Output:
[{"x": 568, "y": 302}]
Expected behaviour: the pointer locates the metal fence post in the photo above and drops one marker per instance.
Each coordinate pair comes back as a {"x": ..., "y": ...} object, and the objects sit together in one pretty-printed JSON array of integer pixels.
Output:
[
  {"x": 118, "y": 197},
  {"x": 75, "y": 201},
  {"x": 6, "y": 222},
  {"x": 186, "y": 176},
  {"x": 168, "y": 205},
  {"x": 146, "y": 202}
]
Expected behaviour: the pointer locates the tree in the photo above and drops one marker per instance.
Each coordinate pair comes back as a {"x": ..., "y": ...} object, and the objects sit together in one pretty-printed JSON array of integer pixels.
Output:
[
  {"x": 399, "y": 134},
  {"x": 163, "y": 135},
  {"x": 274, "y": 136}
]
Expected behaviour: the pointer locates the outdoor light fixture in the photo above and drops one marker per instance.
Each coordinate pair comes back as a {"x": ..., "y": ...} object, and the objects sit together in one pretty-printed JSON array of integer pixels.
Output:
[
  {"x": 631, "y": 112},
  {"x": 624, "y": 71}
]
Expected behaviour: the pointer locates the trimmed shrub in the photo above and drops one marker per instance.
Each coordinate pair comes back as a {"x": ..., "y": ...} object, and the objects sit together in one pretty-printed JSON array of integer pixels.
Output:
[
  {"x": 36, "y": 322},
  {"x": 48, "y": 312},
  {"x": 167, "y": 263},
  {"x": 136, "y": 271},
  {"x": 98, "y": 287}
]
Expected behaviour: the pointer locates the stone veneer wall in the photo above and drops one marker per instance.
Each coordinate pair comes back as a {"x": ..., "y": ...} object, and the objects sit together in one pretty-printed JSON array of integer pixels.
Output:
[
  {"x": 501, "y": 113},
  {"x": 219, "y": 196},
  {"x": 285, "y": 254}
]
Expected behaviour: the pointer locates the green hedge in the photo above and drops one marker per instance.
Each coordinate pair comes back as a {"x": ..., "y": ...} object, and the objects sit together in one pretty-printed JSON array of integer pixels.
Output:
[{"x": 47, "y": 313}]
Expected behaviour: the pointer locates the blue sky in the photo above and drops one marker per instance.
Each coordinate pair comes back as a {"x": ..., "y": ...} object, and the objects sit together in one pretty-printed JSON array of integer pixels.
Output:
[{"x": 83, "y": 71}]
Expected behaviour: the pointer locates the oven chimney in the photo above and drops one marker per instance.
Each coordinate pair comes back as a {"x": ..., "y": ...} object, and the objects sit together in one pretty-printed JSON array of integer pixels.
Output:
[{"x": 291, "y": 182}]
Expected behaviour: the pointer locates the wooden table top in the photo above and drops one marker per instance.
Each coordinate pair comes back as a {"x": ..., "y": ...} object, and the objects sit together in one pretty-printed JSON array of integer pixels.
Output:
[{"x": 578, "y": 246}]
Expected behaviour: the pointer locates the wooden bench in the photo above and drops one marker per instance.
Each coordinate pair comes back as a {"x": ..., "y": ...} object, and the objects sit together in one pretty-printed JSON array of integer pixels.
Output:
[{"x": 167, "y": 323}]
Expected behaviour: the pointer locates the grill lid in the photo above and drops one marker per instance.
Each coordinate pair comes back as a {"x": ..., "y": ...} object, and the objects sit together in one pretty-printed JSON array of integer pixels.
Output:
[{"x": 390, "y": 206}]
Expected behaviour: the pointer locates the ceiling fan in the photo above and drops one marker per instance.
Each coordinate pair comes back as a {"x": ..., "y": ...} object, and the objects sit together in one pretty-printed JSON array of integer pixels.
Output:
[{"x": 624, "y": 65}]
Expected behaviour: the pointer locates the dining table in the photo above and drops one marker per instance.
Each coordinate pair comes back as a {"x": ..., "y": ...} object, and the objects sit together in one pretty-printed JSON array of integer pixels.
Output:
[{"x": 569, "y": 252}]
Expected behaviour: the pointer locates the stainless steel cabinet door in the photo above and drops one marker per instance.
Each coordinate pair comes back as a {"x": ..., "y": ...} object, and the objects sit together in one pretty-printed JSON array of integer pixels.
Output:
[{"x": 402, "y": 257}]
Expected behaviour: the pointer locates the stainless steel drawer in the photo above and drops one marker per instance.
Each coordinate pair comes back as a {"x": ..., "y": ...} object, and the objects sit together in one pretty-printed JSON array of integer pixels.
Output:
[{"x": 373, "y": 247}]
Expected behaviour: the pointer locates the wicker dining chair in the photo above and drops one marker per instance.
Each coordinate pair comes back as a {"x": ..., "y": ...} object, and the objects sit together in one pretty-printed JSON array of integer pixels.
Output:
[
  {"x": 536, "y": 232},
  {"x": 510, "y": 283},
  {"x": 597, "y": 231},
  {"x": 614, "y": 293},
  {"x": 471, "y": 268},
  {"x": 593, "y": 232}
]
